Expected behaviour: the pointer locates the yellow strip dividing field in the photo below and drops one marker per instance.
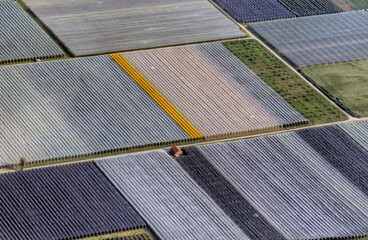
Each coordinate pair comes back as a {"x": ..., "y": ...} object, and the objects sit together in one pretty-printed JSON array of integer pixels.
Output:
[{"x": 155, "y": 95}]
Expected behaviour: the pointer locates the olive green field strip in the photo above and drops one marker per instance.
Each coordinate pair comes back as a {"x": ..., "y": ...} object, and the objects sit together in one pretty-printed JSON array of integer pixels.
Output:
[
  {"x": 88, "y": 27},
  {"x": 77, "y": 107},
  {"x": 290, "y": 180},
  {"x": 315, "y": 40},
  {"x": 214, "y": 90},
  {"x": 358, "y": 131},
  {"x": 21, "y": 39},
  {"x": 170, "y": 202}
]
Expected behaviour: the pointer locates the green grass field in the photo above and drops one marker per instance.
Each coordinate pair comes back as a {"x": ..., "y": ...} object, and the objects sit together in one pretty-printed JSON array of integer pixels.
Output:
[
  {"x": 286, "y": 82},
  {"x": 362, "y": 4},
  {"x": 345, "y": 83}
]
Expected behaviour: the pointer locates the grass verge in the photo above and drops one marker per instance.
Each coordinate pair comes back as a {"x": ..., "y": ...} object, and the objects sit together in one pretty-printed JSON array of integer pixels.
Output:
[
  {"x": 294, "y": 89},
  {"x": 345, "y": 83},
  {"x": 362, "y": 4}
]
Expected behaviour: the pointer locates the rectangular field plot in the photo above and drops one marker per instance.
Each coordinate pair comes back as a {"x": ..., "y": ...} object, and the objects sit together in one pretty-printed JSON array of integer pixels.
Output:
[
  {"x": 358, "y": 131},
  {"x": 172, "y": 204},
  {"x": 311, "y": 7},
  {"x": 344, "y": 83},
  {"x": 318, "y": 39},
  {"x": 341, "y": 151},
  {"x": 76, "y": 107},
  {"x": 254, "y": 10},
  {"x": 20, "y": 38},
  {"x": 62, "y": 203},
  {"x": 214, "y": 90},
  {"x": 93, "y": 27},
  {"x": 291, "y": 183}
]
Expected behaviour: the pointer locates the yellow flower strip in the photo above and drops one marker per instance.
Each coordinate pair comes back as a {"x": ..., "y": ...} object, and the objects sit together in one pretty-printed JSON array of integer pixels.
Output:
[{"x": 156, "y": 96}]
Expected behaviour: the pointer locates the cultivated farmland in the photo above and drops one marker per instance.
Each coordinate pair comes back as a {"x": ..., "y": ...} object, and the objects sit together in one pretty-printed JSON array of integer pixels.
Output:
[
  {"x": 345, "y": 83},
  {"x": 93, "y": 27},
  {"x": 62, "y": 203},
  {"x": 227, "y": 196},
  {"x": 342, "y": 152},
  {"x": 214, "y": 90},
  {"x": 286, "y": 82},
  {"x": 254, "y": 10},
  {"x": 311, "y": 7},
  {"x": 358, "y": 131},
  {"x": 319, "y": 39},
  {"x": 64, "y": 108},
  {"x": 173, "y": 205},
  {"x": 21, "y": 39},
  {"x": 293, "y": 185},
  {"x": 362, "y": 4}
]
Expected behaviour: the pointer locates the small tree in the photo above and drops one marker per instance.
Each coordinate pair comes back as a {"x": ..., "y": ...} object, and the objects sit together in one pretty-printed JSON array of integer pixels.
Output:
[{"x": 23, "y": 162}]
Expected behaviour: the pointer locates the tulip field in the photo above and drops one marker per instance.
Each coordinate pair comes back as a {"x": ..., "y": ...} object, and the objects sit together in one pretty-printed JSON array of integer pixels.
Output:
[
  {"x": 311, "y": 7},
  {"x": 315, "y": 40},
  {"x": 62, "y": 203},
  {"x": 214, "y": 90},
  {"x": 22, "y": 39},
  {"x": 77, "y": 107},
  {"x": 291, "y": 181},
  {"x": 88, "y": 27},
  {"x": 172, "y": 204}
]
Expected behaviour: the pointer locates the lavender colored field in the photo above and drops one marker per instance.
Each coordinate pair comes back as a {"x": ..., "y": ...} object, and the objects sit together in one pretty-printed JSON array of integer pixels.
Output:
[
  {"x": 62, "y": 203},
  {"x": 66, "y": 108},
  {"x": 254, "y": 10},
  {"x": 319, "y": 39},
  {"x": 293, "y": 185},
  {"x": 89, "y": 27},
  {"x": 214, "y": 90},
  {"x": 172, "y": 204},
  {"x": 20, "y": 38}
]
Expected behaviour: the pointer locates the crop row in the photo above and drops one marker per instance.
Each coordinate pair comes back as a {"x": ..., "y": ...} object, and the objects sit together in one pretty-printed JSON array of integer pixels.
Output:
[
  {"x": 319, "y": 39},
  {"x": 214, "y": 90},
  {"x": 21, "y": 39},
  {"x": 227, "y": 196},
  {"x": 292, "y": 185},
  {"x": 254, "y": 10},
  {"x": 341, "y": 151},
  {"x": 311, "y": 7},
  {"x": 358, "y": 131},
  {"x": 62, "y": 202},
  {"x": 172, "y": 204},
  {"x": 140, "y": 236},
  {"x": 76, "y": 107},
  {"x": 89, "y": 27}
]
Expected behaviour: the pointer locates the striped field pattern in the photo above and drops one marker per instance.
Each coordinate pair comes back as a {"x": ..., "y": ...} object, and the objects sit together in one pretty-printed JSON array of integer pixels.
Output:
[
  {"x": 290, "y": 181},
  {"x": 58, "y": 109},
  {"x": 214, "y": 90},
  {"x": 311, "y": 7},
  {"x": 20, "y": 38},
  {"x": 321, "y": 39},
  {"x": 171, "y": 203},
  {"x": 358, "y": 131},
  {"x": 63, "y": 202},
  {"x": 89, "y": 27},
  {"x": 155, "y": 95}
]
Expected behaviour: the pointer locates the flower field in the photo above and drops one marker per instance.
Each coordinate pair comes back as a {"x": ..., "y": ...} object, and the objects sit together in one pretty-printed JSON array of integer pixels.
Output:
[
  {"x": 88, "y": 27},
  {"x": 172, "y": 204},
  {"x": 77, "y": 107},
  {"x": 214, "y": 90},
  {"x": 62, "y": 203},
  {"x": 254, "y": 10},
  {"x": 21, "y": 39},
  {"x": 311, "y": 7},
  {"x": 319, "y": 39}
]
